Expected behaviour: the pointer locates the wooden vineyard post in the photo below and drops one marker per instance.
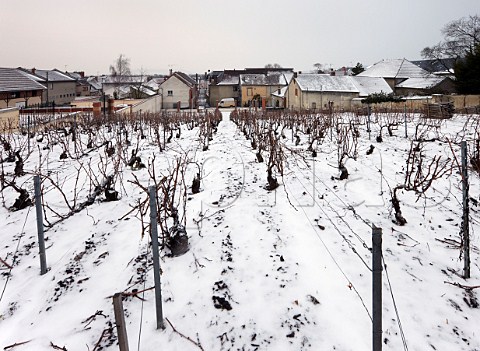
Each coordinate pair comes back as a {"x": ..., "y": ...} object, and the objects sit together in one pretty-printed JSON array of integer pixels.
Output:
[{"x": 120, "y": 322}]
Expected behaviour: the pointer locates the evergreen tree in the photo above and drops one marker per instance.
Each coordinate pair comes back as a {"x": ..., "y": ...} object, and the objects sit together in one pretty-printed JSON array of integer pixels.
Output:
[
  {"x": 467, "y": 73},
  {"x": 358, "y": 69}
]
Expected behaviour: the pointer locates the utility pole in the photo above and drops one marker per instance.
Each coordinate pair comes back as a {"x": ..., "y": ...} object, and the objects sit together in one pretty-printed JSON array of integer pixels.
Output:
[
  {"x": 377, "y": 289},
  {"x": 47, "y": 90}
]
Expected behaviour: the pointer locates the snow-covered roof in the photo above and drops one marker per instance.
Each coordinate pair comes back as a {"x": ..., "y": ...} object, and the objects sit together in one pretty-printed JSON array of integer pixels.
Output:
[
  {"x": 155, "y": 83},
  {"x": 371, "y": 85},
  {"x": 121, "y": 90},
  {"x": 144, "y": 89},
  {"x": 325, "y": 82},
  {"x": 281, "y": 93},
  {"x": 421, "y": 83},
  {"x": 364, "y": 86},
  {"x": 94, "y": 83},
  {"x": 227, "y": 79},
  {"x": 53, "y": 75},
  {"x": 124, "y": 79},
  {"x": 288, "y": 76},
  {"x": 396, "y": 68},
  {"x": 271, "y": 78},
  {"x": 184, "y": 78}
]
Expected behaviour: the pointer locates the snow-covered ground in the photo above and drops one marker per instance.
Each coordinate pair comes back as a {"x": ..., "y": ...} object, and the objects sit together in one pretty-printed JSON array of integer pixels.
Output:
[{"x": 291, "y": 267}]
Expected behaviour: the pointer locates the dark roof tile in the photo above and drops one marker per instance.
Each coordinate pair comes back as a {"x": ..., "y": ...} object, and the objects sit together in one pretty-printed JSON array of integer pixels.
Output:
[{"x": 12, "y": 79}]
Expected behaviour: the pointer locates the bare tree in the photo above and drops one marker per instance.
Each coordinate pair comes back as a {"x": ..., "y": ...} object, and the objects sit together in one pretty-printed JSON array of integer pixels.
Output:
[
  {"x": 319, "y": 68},
  {"x": 461, "y": 37},
  {"x": 273, "y": 65},
  {"x": 120, "y": 70}
]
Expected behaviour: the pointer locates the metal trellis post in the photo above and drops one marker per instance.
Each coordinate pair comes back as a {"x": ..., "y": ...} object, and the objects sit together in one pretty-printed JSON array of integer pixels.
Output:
[
  {"x": 465, "y": 219},
  {"x": 156, "y": 257},
  {"x": 41, "y": 239},
  {"x": 377, "y": 289}
]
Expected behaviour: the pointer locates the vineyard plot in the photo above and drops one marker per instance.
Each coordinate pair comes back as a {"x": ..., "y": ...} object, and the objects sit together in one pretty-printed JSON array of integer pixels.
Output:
[{"x": 277, "y": 209}]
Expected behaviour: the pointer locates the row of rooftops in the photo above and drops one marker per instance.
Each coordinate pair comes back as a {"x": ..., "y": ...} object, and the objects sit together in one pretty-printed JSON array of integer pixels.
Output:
[
  {"x": 22, "y": 79},
  {"x": 404, "y": 72},
  {"x": 411, "y": 74}
]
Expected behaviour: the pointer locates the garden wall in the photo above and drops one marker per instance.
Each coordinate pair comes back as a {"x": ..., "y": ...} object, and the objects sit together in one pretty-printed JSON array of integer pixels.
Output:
[{"x": 9, "y": 118}]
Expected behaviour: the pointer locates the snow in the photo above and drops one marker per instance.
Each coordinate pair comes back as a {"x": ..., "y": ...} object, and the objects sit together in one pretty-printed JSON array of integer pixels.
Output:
[
  {"x": 421, "y": 83},
  {"x": 394, "y": 68},
  {"x": 281, "y": 93},
  {"x": 371, "y": 85},
  {"x": 229, "y": 80},
  {"x": 271, "y": 78},
  {"x": 293, "y": 263},
  {"x": 327, "y": 83}
]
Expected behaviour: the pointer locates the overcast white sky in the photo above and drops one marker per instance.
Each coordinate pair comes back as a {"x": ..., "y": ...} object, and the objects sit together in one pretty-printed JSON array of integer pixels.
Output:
[{"x": 195, "y": 36}]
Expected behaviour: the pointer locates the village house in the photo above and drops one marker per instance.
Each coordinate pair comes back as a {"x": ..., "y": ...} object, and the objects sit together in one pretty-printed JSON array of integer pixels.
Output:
[
  {"x": 61, "y": 88},
  {"x": 82, "y": 85},
  {"x": 119, "y": 86},
  {"x": 18, "y": 89},
  {"x": 394, "y": 71},
  {"x": 426, "y": 86},
  {"x": 225, "y": 85},
  {"x": 251, "y": 86},
  {"x": 407, "y": 78},
  {"x": 178, "y": 91},
  {"x": 154, "y": 83},
  {"x": 95, "y": 85},
  {"x": 324, "y": 91},
  {"x": 256, "y": 88}
]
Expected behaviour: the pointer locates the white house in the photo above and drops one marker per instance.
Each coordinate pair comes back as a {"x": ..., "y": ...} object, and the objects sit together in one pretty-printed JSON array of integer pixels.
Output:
[
  {"x": 323, "y": 91},
  {"x": 178, "y": 91}
]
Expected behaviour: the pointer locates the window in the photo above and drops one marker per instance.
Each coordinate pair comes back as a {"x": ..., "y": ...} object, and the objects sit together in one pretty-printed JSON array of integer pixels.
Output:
[
  {"x": 249, "y": 92},
  {"x": 314, "y": 105},
  {"x": 170, "y": 92},
  {"x": 296, "y": 92},
  {"x": 235, "y": 88}
]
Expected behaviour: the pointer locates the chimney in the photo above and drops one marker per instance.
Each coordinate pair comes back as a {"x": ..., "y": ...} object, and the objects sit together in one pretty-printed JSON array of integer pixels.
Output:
[
  {"x": 33, "y": 70},
  {"x": 171, "y": 72},
  {"x": 294, "y": 74}
]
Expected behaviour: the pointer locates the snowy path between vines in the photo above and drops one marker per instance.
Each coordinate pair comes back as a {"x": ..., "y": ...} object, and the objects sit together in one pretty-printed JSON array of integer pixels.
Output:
[{"x": 280, "y": 270}]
